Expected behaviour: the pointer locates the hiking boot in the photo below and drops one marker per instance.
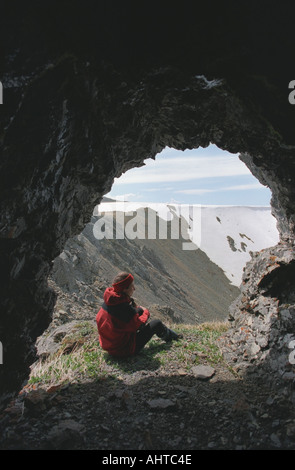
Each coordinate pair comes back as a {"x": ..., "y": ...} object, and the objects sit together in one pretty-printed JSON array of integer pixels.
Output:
[{"x": 170, "y": 335}]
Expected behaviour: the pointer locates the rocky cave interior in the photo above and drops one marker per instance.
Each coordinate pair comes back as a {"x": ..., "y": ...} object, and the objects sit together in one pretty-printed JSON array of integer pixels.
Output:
[{"x": 84, "y": 102}]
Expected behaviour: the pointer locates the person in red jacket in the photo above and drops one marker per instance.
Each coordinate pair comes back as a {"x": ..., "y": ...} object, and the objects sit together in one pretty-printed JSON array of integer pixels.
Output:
[{"x": 123, "y": 327}]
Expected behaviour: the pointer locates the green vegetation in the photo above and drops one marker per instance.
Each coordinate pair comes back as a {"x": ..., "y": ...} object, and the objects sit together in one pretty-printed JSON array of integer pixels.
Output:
[{"x": 80, "y": 357}]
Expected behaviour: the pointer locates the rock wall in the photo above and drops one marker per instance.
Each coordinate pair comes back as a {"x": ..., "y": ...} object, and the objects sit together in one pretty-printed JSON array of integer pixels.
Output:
[
  {"x": 261, "y": 339},
  {"x": 91, "y": 90}
]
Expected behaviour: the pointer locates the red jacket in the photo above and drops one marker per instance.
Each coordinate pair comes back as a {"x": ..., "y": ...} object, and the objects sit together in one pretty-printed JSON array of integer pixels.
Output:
[{"x": 117, "y": 322}]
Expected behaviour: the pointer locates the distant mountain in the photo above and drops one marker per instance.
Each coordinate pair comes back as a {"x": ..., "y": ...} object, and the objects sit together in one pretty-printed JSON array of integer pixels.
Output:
[
  {"x": 183, "y": 285},
  {"x": 227, "y": 234}
]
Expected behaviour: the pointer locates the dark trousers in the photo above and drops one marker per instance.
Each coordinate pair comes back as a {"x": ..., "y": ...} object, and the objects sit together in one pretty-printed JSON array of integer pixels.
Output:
[{"x": 154, "y": 327}]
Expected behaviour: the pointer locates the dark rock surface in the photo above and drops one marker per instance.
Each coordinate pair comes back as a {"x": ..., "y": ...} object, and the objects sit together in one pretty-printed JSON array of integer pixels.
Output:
[{"x": 91, "y": 90}]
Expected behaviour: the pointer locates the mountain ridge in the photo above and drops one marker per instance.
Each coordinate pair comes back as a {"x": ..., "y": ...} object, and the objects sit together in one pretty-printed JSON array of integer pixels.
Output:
[{"x": 228, "y": 234}]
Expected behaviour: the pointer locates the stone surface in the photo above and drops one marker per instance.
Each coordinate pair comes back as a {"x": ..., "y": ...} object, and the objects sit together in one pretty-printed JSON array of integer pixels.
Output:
[
  {"x": 203, "y": 372},
  {"x": 161, "y": 404},
  {"x": 66, "y": 435},
  {"x": 89, "y": 92},
  {"x": 50, "y": 342}
]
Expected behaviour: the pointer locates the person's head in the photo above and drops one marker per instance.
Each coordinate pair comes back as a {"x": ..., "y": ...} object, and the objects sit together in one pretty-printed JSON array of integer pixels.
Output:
[{"x": 124, "y": 282}]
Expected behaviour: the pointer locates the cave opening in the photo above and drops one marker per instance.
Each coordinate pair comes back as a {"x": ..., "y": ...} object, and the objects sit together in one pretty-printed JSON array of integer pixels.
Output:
[
  {"x": 229, "y": 225},
  {"x": 87, "y": 264},
  {"x": 165, "y": 273}
]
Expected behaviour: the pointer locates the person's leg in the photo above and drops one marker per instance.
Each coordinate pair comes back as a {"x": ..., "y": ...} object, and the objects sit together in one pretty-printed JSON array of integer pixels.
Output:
[
  {"x": 146, "y": 332},
  {"x": 151, "y": 328}
]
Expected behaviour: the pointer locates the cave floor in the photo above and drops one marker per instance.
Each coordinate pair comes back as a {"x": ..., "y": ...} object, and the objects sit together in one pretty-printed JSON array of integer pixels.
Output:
[{"x": 151, "y": 407}]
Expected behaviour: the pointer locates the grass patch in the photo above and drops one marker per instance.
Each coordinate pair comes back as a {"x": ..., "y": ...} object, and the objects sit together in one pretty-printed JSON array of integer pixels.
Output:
[
  {"x": 80, "y": 357},
  {"x": 199, "y": 344}
]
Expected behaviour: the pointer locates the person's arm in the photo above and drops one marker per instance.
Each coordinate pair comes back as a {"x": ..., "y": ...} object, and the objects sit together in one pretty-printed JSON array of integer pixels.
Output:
[
  {"x": 138, "y": 309},
  {"x": 132, "y": 319},
  {"x": 135, "y": 316},
  {"x": 138, "y": 320}
]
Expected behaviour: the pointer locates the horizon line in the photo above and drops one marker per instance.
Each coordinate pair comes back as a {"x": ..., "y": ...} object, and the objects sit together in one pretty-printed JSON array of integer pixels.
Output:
[{"x": 183, "y": 204}]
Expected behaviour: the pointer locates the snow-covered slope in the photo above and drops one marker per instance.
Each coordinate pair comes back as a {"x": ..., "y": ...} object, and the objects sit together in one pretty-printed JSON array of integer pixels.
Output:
[{"x": 227, "y": 234}]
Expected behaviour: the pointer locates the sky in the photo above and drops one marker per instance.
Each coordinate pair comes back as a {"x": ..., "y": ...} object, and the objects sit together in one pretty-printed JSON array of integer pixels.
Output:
[{"x": 207, "y": 176}]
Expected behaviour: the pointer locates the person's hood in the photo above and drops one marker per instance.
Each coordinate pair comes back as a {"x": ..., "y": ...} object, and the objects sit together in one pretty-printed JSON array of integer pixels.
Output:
[{"x": 114, "y": 298}]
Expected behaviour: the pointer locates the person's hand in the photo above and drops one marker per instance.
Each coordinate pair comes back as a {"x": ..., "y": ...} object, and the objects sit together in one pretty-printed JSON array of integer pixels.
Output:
[
  {"x": 133, "y": 302},
  {"x": 140, "y": 310}
]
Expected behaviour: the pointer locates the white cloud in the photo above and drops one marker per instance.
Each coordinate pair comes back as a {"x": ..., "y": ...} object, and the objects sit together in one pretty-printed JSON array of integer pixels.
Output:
[
  {"x": 241, "y": 187},
  {"x": 185, "y": 168},
  {"x": 244, "y": 187},
  {"x": 123, "y": 197},
  {"x": 196, "y": 191}
]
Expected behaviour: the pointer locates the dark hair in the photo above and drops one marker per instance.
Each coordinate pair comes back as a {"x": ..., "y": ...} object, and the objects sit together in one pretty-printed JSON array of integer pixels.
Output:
[{"x": 120, "y": 277}]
